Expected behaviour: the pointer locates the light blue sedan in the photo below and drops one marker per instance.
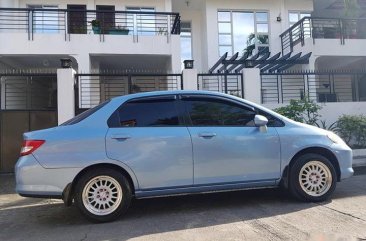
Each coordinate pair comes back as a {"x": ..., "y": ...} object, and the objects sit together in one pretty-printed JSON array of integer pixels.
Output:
[{"x": 177, "y": 142}]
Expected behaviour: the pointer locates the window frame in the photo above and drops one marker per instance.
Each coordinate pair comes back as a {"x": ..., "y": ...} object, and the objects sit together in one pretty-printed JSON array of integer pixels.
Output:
[
  {"x": 42, "y": 21},
  {"x": 135, "y": 21},
  {"x": 298, "y": 12},
  {"x": 115, "y": 122},
  {"x": 231, "y": 34}
]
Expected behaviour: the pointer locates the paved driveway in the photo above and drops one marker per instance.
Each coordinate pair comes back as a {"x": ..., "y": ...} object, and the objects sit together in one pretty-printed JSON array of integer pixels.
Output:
[{"x": 245, "y": 215}]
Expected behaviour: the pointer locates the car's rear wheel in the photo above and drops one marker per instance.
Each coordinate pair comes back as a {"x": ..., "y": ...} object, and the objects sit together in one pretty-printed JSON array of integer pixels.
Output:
[
  {"x": 312, "y": 178},
  {"x": 103, "y": 194}
]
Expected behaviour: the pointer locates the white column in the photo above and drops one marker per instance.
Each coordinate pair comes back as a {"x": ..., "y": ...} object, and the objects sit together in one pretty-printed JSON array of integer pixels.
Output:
[
  {"x": 7, "y": 3},
  {"x": 65, "y": 94},
  {"x": 189, "y": 79},
  {"x": 252, "y": 85},
  {"x": 168, "y": 5}
]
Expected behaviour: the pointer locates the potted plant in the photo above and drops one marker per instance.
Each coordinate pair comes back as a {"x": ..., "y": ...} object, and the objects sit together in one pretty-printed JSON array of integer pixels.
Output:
[
  {"x": 95, "y": 26},
  {"x": 119, "y": 30}
]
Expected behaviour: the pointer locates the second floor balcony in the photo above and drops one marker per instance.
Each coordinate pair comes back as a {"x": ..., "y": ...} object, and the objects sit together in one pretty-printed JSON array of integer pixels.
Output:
[
  {"x": 337, "y": 31},
  {"x": 67, "y": 22}
]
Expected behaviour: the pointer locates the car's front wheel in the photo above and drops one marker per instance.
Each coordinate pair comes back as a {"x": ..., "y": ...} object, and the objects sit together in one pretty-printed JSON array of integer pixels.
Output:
[
  {"x": 102, "y": 194},
  {"x": 312, "y": 178}
]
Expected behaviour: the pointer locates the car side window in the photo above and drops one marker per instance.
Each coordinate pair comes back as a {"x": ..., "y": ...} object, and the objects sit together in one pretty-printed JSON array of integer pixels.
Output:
[
  {"x": 217, "y": 112},
  {"x": 146, "y": 113}
]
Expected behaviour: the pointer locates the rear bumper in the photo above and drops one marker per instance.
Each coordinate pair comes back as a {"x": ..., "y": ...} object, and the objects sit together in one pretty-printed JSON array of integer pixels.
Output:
[{"x": 32, "y": 180}]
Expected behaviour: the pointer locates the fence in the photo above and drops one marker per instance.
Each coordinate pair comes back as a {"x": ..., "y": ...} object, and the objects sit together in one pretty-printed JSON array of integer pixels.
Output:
[
  {"x": 322, "y": 28},
  {"x": 69, "y": 21},
  {"x": 91, "y": 89},
  {"x": 229, "y": 83},
  {"x": 322, "y": 87}
]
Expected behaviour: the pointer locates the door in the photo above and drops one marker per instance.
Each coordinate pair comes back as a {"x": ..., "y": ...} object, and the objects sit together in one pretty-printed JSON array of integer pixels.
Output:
[
  {"x": 146, "y": 134},
  {"x": 106, "y": 17},
  {"x": 76, "y": 18},
  {"x": 227, "y": 147}
]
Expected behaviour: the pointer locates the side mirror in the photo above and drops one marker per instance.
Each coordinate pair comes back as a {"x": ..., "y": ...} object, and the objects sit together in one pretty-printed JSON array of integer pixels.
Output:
[{"x": 260, "y": 120}]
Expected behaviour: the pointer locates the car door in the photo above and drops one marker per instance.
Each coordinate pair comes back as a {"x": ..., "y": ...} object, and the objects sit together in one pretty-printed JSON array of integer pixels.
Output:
[
  {"x": 146, "y": 134},
  {"x": 227, "y": 147}
]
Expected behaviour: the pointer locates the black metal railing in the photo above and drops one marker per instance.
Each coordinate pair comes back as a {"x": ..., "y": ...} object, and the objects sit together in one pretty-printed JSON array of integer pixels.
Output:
[
  {"x": 66, "y": 21},
  {"x": 322, "y": 28},
  {"x": 341, "y": 86},
  {"x": 92, "y": 89},
  {"x": 229, "y": 83}
]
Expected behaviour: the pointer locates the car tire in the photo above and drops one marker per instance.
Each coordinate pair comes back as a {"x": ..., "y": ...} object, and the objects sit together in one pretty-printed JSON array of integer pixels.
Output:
[
  {"x": 312, "y": 178},
  {"x": 102, "y": 194}
]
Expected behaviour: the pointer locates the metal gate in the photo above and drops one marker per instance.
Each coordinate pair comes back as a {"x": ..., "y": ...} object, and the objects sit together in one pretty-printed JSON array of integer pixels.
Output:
[
  {"x": 229, "y": 83},
  {"x": 322, "y": 86},
  {"x": 28, "y": 102},
  {"x": 92, "y": 89}
]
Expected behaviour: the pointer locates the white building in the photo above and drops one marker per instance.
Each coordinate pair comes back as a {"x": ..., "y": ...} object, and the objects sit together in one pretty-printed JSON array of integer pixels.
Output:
[
  {"x": 39, "y": 38},
  {"x": 119, "y": 47}
]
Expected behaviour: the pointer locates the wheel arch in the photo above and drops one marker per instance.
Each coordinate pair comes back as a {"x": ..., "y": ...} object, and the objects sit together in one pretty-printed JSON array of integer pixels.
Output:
[
  {"x": 314, "y": 150},
  {"x": 68, "y": 193}
]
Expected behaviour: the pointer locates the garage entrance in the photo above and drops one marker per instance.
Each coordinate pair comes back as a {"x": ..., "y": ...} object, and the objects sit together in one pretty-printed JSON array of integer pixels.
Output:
[{"x": 28, "y": 103}]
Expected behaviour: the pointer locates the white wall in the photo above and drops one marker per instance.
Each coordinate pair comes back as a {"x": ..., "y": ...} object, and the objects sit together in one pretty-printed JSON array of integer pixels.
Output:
[
  {"x": 327, "y": 47},
  {"x": 195, "y": 17}
]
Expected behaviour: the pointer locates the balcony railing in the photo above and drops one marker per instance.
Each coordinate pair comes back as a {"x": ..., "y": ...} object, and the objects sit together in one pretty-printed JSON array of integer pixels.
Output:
[
  {"x": 65, "y": 21},
  {"x": 322, "y": 28}
]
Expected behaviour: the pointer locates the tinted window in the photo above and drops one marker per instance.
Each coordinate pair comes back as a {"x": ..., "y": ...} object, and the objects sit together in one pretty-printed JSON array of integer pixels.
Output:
[
  {"x": 84, "y": 115},
  {"x": 145, "y": 113},
  {"x": 216, "y": 112}
]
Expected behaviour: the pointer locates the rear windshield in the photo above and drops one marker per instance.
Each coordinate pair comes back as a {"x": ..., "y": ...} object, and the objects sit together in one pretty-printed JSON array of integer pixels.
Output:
[{"x": 84, "y": 115}]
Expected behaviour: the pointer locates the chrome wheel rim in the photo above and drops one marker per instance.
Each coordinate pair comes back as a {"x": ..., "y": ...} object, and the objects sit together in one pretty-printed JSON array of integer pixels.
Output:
[
  {"x": 315, "y": 178},
  {"x": 102, "y": 195}
]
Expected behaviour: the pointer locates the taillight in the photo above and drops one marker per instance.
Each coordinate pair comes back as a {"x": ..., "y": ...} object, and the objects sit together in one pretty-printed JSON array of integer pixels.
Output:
[{"x": 30, "y": 146}]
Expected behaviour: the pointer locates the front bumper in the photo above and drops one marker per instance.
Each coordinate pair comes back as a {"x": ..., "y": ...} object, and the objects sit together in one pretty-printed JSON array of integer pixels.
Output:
[
  {"x": 33, "y": 180},
  {"x": 345, "y": 157}
]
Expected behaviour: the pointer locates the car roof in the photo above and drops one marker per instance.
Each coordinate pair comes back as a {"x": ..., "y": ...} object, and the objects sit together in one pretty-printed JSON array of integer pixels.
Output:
[{"x": 169, "y": 92}]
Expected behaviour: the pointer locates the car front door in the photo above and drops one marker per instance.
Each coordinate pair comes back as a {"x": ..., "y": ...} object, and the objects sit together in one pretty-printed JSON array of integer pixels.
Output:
[
  {"x": 146, "y": 134},
  {"x": 227, "y": 146}
]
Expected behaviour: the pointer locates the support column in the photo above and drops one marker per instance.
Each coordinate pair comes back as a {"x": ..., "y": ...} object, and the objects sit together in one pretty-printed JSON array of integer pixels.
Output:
[
  {"x": 252, "y": 85},
  {"x": 190, "y": 79},
  {"x": 65, "y": 94},
  {"x": 8, "y": 3}
]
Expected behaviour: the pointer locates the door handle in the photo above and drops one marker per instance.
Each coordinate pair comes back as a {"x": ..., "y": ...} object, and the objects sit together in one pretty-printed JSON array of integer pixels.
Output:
[
  {"x": 120, "y": 137},
  {"x": 207, "y": 134}
]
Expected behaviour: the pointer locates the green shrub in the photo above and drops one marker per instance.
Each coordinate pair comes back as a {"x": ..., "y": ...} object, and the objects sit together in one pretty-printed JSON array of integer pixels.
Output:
[
  {"x": 305, "y": 111},
  {"x": 332, "y": 127},
  {"x": 352, "y": 128}
]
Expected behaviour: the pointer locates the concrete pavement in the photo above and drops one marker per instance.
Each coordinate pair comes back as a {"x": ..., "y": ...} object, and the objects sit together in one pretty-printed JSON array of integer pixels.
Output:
[{"x": 244, "y": 215}]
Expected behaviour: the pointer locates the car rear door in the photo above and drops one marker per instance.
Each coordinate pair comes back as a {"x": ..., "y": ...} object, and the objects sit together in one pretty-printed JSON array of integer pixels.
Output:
[
  {"x": 147, "y": 135},
  {"x": 227, "y": 147}
]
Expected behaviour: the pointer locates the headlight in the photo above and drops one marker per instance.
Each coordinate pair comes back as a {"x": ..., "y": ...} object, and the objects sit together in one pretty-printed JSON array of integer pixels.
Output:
[{"x": 334, "y": 138}]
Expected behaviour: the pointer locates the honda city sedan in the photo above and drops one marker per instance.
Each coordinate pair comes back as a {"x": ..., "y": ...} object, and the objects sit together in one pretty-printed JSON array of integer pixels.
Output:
[{"x": 177, "y": 142}]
